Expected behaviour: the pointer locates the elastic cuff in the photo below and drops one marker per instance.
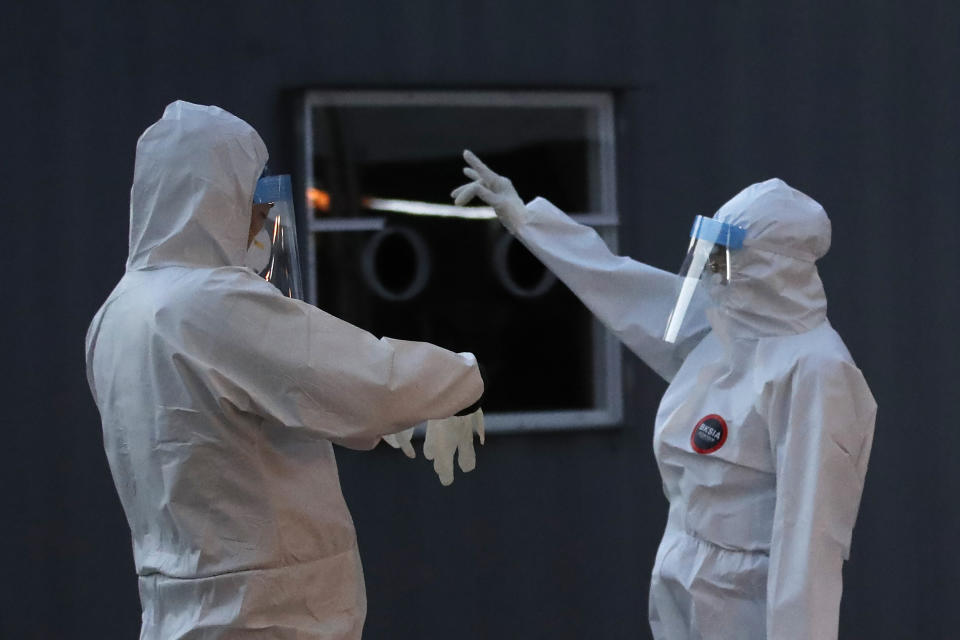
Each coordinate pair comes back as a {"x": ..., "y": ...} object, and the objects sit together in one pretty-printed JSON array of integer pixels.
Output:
[{"x": 472, "y": 408}]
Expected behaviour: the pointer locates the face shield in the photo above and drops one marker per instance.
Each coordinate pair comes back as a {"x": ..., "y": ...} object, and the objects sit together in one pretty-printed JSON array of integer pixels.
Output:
[
  {"x": 711, "y": 242},
  {"x": 273, "y": 251}
]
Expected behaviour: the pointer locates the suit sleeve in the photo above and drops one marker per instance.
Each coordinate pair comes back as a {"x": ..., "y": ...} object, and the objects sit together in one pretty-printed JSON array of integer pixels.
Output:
[
  {"x": 632, "y": 299},
  {"x": 821, "y": 445},
  {"x": 299, "y": 366}
]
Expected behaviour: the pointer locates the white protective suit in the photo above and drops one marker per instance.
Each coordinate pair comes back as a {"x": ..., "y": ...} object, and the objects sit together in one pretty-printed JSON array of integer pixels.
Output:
[
  {"x": 220, "y": 398},
  {"x": 758, "y": 528}
]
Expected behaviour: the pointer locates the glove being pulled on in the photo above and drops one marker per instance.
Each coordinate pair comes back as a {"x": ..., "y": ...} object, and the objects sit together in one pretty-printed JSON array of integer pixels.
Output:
[
  {"x": 453, "y": 435},
  {"x": 402, "y": 440}
]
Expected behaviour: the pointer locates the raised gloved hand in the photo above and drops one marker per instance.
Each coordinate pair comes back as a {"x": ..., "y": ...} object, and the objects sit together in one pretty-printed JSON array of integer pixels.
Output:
[
  {"x": 402, "y": 441},
  {"x": 496, "y": 190},
  {"x": 453, "y": 435}
]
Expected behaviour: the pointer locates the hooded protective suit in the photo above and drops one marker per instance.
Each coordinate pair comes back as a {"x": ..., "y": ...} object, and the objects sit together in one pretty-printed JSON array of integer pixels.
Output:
[
  {"x": 220, "y": 397},
  {"x": 760, "y": 520}
]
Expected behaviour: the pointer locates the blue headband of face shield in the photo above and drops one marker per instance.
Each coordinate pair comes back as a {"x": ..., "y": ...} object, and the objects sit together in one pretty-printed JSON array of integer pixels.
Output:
[
  {"x": 273, "y": 189},
  {"x": 728, "y": 235}
]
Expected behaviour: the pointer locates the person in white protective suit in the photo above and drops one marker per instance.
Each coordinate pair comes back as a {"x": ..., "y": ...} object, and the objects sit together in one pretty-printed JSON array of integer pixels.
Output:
[
  {"x": 763, "y": 435},
  {"x": 220, "y": 398}
]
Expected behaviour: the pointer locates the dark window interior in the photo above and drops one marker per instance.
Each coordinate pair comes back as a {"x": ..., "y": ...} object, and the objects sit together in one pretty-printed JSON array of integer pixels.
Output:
[{"x": 463, "y": 284}]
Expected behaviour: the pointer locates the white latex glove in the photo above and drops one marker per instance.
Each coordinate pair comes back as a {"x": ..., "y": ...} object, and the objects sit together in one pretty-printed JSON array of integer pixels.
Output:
[
  {"x": 401, "y": 440},
  {"x": 496, "y": 190},
  {"x": 450, "y": 435}
]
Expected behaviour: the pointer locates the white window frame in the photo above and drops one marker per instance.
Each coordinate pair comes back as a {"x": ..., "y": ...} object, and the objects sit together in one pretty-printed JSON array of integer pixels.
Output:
[{"x": 607, "y": 360}]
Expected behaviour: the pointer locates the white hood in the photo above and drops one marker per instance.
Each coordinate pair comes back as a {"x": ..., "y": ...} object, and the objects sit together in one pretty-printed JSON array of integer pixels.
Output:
[
  {"x": 193, "y": 182},
  {"x": 774, "y": 288}
]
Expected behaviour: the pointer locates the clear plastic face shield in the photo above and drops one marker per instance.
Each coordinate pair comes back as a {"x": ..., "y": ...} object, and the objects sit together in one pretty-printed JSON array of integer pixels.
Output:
[
  {"x": 272, "y": 252},
  {"x": 711, "y": 242}
]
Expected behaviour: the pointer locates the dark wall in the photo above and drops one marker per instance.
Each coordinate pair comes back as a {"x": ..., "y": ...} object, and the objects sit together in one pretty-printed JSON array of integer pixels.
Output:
[{"x": 554, "y": 535}]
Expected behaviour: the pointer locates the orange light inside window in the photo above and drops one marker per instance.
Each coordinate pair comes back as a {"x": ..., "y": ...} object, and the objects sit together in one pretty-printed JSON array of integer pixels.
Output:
[{"x": 318, "y": 199}]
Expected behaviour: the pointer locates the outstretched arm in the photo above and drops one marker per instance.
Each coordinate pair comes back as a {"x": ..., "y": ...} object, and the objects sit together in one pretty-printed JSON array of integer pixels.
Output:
[
  {"x": 630, "y": 298},
  {"x": 301, "y": 367}
]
